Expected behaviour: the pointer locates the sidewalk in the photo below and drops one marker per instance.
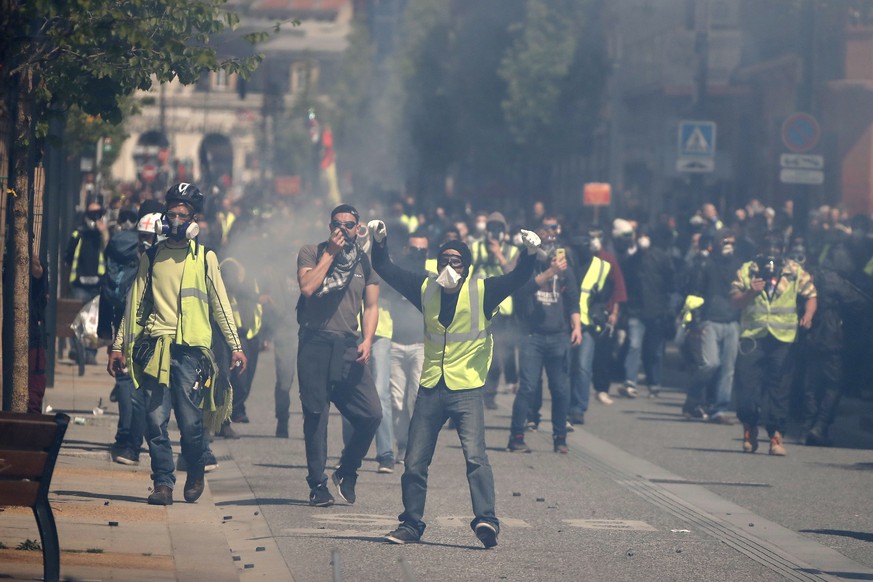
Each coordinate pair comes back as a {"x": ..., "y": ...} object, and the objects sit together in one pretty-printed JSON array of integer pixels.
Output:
[{"x": 106, "y": 529}]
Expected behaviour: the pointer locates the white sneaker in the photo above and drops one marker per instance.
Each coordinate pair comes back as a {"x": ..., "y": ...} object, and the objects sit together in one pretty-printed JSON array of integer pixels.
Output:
[
  {"x": 604, "y": 398},
  {"x": 628, "y": 391}
]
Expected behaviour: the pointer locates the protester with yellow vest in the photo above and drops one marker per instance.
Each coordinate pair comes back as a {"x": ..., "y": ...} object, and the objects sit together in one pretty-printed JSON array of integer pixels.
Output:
[
  {"x": 248, "y": 313},
  {"x": 86, "y": 261},
  {"x": 494, "y": 256},
  {"x": 458, "y": 310},
  {"x": 164, "y": 341},
  {"x": 768, "y": 290}
]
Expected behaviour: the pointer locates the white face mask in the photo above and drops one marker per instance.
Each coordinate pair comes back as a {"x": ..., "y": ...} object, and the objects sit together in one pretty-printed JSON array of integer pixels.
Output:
[
  {"x": 481, "y": 226},
  {"x": 449, "y": 278},
  {"x": 596, "y": 245},
  {"x": 644, "y": 242}
]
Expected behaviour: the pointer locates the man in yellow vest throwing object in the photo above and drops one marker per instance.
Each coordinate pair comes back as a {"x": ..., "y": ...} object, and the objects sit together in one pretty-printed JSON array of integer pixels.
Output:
[
  {"x": 767, "y": 290},
  {"x": 457, "y": 353},
  {"x": 165, "y": 338}
]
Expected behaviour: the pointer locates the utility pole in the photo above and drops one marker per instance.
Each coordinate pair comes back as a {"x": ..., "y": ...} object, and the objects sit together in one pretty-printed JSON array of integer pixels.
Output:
[{"x": 701, "y": 81}]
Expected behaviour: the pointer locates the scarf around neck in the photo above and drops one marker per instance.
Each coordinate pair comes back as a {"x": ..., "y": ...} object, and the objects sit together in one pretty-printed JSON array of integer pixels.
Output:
[{"x": 340, "y": 273}]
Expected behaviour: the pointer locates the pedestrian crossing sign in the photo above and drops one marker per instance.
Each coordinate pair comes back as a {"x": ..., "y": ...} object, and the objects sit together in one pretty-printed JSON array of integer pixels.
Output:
[{"x": 696, "y": 139}]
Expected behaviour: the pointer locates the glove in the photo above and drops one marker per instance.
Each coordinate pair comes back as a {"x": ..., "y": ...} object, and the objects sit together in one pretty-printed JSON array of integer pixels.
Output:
[
  {"x": 530, "y": 240},
  {"x": 377, "y": 230}
]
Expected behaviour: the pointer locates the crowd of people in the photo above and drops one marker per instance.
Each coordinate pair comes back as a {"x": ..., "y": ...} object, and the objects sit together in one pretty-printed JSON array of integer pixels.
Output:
[{"x": 770, "y": 320}]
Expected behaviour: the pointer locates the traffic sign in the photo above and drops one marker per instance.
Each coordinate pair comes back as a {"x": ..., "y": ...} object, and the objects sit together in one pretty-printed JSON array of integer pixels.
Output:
[
  {"x": 802, "y": 161},
  {"x": 794, "y": 176},
  {"x": 695, "y": 164},
  {"x": 596, "y": 194},
  {"x": 696, "y": 139},
  {"x": 800, "y": 132}
]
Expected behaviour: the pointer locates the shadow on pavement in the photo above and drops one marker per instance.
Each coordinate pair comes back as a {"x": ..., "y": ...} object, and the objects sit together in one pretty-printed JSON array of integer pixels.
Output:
[
  {"x": 856, "y": 535},
  {"x": 702, "y": 450},
  {"x": 262, "y": 501},
  {"x": 104, "y": 496}
]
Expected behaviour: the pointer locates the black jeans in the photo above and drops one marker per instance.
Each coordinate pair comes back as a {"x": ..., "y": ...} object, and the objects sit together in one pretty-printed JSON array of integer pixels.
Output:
[
  {"x": 242, "y": 381},
  {"x": 285, "y": 348},
  {"x": 327, "y": 372},
  {"x": 763, "y": 383},
  {"x": 823, "y": 388}
]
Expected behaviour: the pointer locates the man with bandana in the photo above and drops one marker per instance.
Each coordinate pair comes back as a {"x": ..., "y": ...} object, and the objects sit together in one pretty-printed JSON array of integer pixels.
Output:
[
  {"x": 458, "y": 346},
  {"x": 336, "y": 279},
  {"x": 165, "y": 338}
]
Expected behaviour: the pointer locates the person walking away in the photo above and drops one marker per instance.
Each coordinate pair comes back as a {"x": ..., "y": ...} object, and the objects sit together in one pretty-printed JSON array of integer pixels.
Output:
[
  {"x": 547, "y": 307},
  {"x": 768, "y": 291},
  {"x": 336, "y": 279},
  {"x": 164, "y": 340},
  {"x": 457, "y": 311}
]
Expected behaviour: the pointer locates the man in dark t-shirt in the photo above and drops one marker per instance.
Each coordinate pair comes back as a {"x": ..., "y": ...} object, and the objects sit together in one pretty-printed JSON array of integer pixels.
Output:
[{"x": 336, "y": 279}]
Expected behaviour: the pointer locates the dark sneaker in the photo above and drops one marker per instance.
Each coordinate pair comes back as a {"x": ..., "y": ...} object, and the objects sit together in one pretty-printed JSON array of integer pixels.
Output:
[
  {"x": 386, "y": 466},
  {"x": 577, "y": 418},
  {"x": 402, "y": 535},
  {"x": 282, "y": 429},
  {"x": 491, "y": 404},
  {"x": 654, "y": 391},
  {"x": 242, "y": 418},
  {"x": 561, "y": 445},
  {"x": 814, "y": 438},
  {"x": 162, "y": 495},
  {"x": 696, "y": 413},
  {"x": 487, "y": 534},
  {"x": 320, "y": 497},
  {"x": 517, "y": 444},
  {"x": 193, "y": 488},
  {"x": 345, "y": 486},
  {"x": 227, "y": 432},
  {"x": 123, "y": 456}
]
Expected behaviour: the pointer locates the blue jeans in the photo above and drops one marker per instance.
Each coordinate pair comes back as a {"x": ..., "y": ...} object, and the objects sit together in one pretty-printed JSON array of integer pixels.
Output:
[
  {"x": 719, "y": 345},
  {"x": 433, "y": 407},
  {"x": 538, "y": 351},
  {"x": 380, "y": 364},
  {"x": 581, "y": 373},
  {"x": 180, "y": 397},
  {"x": 645, "y": 345},
  {"x": 131, "y": 415}
]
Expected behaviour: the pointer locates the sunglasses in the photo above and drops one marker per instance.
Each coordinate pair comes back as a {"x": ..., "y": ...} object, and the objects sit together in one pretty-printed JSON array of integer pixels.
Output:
[
  {"x": 183, "y": 216},
  {"x": 552, "y": 226},
  {"x": 451, "y": 260},
  {"x": 348, "y": 225}
]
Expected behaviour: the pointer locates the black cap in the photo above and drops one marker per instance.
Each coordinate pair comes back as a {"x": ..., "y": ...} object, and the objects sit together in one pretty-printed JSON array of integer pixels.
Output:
[{"x": 345, "y": 209}]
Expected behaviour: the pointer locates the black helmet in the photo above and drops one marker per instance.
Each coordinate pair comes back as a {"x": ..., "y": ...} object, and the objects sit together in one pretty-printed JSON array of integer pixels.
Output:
[{"x": 185, "y": 193}]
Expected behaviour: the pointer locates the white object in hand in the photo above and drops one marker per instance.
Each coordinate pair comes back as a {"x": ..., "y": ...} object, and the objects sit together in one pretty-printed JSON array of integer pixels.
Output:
[
  {"x": 378, "y": 230},
  {"x": 531, "y": 240}
]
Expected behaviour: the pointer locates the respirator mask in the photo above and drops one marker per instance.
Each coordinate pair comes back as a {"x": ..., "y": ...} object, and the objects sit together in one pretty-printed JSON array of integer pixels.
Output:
[{"x": 176, "y": 228}]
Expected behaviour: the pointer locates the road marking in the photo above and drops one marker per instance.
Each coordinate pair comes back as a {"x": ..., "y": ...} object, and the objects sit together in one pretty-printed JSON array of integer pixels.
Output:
[
  {"x": 464, "y": 521},
  {"x": 614, "y": 524}
]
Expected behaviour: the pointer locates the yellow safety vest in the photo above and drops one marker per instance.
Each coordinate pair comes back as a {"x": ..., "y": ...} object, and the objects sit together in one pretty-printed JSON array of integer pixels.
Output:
[
  {"x": 481, "y": 269},
  {"x": 763, "y": 316},
  {"x": 193, "y": 327},
  {"x": 430, "y": 265},
  {"x": 593, "y": 281},
  {"x": 257, "y": 315},
  {"x": 462, "y": 352},
  {"x": 385, "y": 327},
  {"x": 74, "y": 267}
]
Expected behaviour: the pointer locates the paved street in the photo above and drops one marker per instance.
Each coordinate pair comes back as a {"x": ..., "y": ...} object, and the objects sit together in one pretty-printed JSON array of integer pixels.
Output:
[{"x": 644, "y": 494}]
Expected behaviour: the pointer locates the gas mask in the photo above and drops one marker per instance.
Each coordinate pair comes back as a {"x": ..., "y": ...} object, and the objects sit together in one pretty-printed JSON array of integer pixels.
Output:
[
  {"x": 449, "y": 278},
  {"x": 727, "y": 248},
  {"x": 496, "y": 232},
  {"x": 177, "y": 229},
  {"x": 126, "y": 220},
  {"x": 92, "y": 217},
  {"x": 769, "y": 269}
]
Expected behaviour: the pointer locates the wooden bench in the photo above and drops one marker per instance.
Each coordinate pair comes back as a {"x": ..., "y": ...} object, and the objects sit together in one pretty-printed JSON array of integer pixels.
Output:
[{"x": 29, "y": 447}]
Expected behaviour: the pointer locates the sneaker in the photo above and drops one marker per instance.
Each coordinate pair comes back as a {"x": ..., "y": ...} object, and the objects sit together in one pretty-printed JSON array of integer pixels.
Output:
[
  {"x": 570, "y": 427},
  {"x": 814, "y": 438},
  {"x": 517, "y": 445},
  {"x": 696, "y": 413},
  {"x": 386, "y": 466},
  {"x": 193, "y": 488},
  {"x": 776, "y": 448},
  {"x": 209, "y": 467},
  {"x": 579, "y": 417},
  {"x": 561, "y": 445},
  {"x": 654, "y": 391},
  {"x": 750, "y": 438},
  {"x": 402, "y": 535},
  {"x": 723, "y": 418},
  {"x": 162, "y": 495},
  {"x": 320, "y": 497},
  {"x": 487, "y": 534},
  {"x": 227, "y": 432},
  {"x": 531, "y": 426},
  {"x": 345, "y": 486},
  {"x": 604, "y": 398},
  {"x": 282, "y": 429},
  {"x": 628, "y": 391},
  {"x": 242, "y": 418},
  {"x": 123, "y": 455}
]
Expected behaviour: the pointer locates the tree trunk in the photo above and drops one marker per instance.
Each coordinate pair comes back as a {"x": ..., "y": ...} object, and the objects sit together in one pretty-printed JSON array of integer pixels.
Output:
[{"x": 18, "y": 205}]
